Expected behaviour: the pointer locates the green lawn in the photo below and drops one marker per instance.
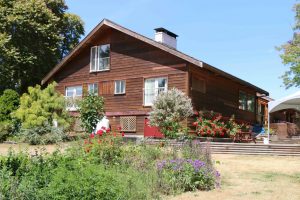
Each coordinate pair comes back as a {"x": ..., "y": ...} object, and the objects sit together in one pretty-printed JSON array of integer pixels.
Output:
[{"x": 253, "y": 177}]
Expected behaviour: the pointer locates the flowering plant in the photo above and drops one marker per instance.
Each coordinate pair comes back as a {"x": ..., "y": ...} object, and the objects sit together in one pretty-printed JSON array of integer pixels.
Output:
[
  {"x": 186, "y": 175},
  {"x": 105, "y": 145},
  {"x": 210, "y": 124}
]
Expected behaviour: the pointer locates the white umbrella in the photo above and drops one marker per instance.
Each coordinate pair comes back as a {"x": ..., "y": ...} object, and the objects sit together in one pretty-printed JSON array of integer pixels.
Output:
[{"x": 289, "y": 102}]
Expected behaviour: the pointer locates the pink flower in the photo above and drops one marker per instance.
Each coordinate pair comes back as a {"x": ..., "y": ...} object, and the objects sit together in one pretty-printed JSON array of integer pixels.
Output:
[{"x": 92, "y": 135}]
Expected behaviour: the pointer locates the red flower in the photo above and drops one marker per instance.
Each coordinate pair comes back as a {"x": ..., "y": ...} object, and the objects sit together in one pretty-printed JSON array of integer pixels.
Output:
[
  {"x": 92, "y": 135},
  {"x": 119, "y": 128},
  {"x": 100, "y": 132},
  {"x": 108, "y": 130},
  {"x": 123, "y": 134},
  {"x": 196, "y": 113},
  {"x": 195, "y": 124}
]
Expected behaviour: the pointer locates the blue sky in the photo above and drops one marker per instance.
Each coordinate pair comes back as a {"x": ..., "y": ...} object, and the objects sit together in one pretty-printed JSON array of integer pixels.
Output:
[{"x": 237, "y": 36}]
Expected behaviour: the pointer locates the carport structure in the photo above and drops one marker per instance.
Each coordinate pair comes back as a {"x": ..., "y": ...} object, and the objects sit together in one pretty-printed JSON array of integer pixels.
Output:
[{"x": 289, "y": 102}]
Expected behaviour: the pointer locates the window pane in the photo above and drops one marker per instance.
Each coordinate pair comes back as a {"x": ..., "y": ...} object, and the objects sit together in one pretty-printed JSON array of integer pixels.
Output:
[
  {"x": 104, "y": 51},
  {"x": 162, "y": 82},
  {"x": 122, "y": 86},
  {"x": 94, "y": 59},
  {"x": 149, "y": 91},
  {"x": 93, "y": 88},
  {"x": 74, "y": 91},
  {"x": 242, "y": 100},
  {"x": 250, "y": 103},
  {"x": 119, "y": 87},
  {"x": 104, "y": 59},
  {"x": 78, "y": 91},
  {"x": 69, "y": 91}
]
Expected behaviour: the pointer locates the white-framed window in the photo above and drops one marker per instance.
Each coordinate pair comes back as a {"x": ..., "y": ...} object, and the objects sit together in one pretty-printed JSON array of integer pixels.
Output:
[
  {"x": 153, "y": 87},
  {"x": 120, "y": 87},
  {"x": 73, "y": 95},
  {"x": 93, "y": 88},
  {"x": 100, "y": 58}
]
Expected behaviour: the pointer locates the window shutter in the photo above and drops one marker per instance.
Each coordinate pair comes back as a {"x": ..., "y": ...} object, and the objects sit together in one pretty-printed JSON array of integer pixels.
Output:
[{"x": 106, "y": 87}]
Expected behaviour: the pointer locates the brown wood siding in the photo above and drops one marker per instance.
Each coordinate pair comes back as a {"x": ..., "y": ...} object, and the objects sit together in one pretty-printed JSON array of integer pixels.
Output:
[
  {"x": 221, "y": 95},
  {"x": 131, "y": 60}
]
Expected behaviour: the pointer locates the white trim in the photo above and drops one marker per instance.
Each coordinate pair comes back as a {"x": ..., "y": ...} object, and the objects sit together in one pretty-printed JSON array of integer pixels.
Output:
[
  {"x": 156, "y": 88},
  {"x": 98, "y": 59},
  {"x": 122, "y": 81}
]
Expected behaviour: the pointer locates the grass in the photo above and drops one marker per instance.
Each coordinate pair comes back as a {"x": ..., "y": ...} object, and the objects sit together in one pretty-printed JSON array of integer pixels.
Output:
[
  {"x": 4, "y": 148},
  {"x": 253, "y": 177},
  {"x": 243, "y": 177}
]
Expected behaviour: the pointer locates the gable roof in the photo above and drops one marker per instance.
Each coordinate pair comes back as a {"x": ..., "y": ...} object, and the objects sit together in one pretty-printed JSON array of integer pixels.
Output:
[{"x": 106, "y": 22}]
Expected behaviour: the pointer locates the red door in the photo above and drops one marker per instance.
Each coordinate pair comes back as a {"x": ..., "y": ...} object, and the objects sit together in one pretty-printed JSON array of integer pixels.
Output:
[{"x": 151, "y": 131}]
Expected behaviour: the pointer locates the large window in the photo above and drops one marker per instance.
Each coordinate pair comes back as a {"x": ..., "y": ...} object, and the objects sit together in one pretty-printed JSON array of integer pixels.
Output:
[
  {"x": 93, "y": 89},
  {"x": 153, "y": 86},
  {"x": 73, "y": 94},
  {"x": 246, "y": 101},
  {"x": 120, "y": 87},
  {"x": 100, "y": 58}
]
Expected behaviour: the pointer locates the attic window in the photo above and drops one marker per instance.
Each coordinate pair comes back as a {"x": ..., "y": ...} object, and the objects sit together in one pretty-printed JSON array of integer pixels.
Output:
[{"x": 100, "y": 58}]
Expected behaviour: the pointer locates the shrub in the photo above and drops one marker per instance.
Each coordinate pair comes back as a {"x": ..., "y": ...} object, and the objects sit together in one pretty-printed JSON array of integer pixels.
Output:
[
  {"x": 103, "y": 167},
  {"x": 181, "y": 175},
  {"x": 5, "y": 130},
  {"x": 169, "y": 109},
  {"x": 39, "y": 107},
  {"x": 9, "y": 102},
  {"x": 212, "y": 124},
  {"x": 46, "y": 134},
  {"x": 91, "y": 109}
]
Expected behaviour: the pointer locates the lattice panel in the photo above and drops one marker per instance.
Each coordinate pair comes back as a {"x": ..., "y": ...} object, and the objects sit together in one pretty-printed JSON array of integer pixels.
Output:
[{"x": 128, "y": 123}]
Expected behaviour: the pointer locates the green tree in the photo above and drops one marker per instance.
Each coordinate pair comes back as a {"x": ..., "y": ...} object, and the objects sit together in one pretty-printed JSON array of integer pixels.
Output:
[
  {"x": 169, "y": 109},
  {"x": 39, "y": 108},
  {"x": 9, "y": 102},
  {"x": 290, "y": 54},
  {"x": 91, "y": 109},
  {"x": 34, "y": 36}
]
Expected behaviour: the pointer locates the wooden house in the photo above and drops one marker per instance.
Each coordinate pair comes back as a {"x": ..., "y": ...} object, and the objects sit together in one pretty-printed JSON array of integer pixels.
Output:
[{"x": 129, "y": 70}]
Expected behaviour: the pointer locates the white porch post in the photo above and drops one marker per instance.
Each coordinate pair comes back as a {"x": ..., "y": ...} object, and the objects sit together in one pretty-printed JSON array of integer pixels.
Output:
[{"x": 268, "y": 127}]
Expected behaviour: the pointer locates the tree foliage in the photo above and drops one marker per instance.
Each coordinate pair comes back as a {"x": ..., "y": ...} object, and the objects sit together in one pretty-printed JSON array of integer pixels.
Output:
[
  {"x": 9, "y": 102},
  {"x": 40, "y": 107},
  {"x": 34, "y": 36},
  {"x": 169, "y": 109},
  {"x": 91, "y": 109},
  {"x": 291, "y": 54}
]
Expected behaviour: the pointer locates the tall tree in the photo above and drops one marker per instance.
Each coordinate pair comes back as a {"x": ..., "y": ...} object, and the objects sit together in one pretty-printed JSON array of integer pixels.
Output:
[
  {"x": 291, "y": 54},
  {"x": 34, "y": 36}
]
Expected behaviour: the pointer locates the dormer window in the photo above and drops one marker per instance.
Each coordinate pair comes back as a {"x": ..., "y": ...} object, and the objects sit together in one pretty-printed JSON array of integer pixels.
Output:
[{"x": 100, "y": 58}]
